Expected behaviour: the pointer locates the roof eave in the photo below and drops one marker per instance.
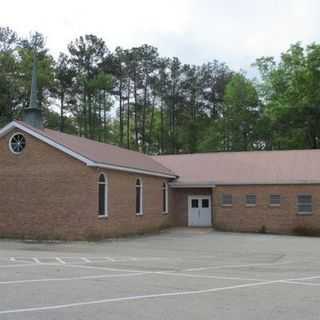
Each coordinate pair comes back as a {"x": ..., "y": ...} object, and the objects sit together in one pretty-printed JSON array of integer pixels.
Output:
[
  {"x": 192, "y": 185},
  {"x": 133, "y": 170},
  {"x": 257, "y": 183}
]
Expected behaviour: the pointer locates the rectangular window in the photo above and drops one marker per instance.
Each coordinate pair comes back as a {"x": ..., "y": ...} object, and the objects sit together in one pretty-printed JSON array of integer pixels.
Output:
[
  {"x": 251, "y": 200},
  {"x": 194, "y": 203},
  {"x": 205, "y": 203},
  {"x": 226, "y": 200},
  {"x": 304, "y": 204},
  {"x": 275, "y": 200}
]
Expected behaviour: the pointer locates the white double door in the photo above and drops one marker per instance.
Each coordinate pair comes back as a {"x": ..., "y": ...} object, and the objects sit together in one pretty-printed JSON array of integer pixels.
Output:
[{"x": 199, "y": 211}]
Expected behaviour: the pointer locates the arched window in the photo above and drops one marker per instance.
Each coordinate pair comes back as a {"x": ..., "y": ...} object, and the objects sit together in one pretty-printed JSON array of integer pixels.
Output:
[
  {"x": 165, "y": 197},
  {"x": 103, "y": 195},
  {"x": 139, "y": 197}
]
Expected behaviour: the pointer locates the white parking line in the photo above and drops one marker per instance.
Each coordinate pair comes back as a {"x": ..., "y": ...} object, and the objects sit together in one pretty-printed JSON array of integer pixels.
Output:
[
  {"x": 150, "y": 296},
  {"x": 36, "y": 260},
  {"x": 135, "y": 298},
  {"x": 109, "y": 259},
  {"x": 72, "y": 278},
  {"x": 303, "y": 283},
  {"x": 60, "y": 260},
  {"x": 180, "y": 274},
  {"x": 86, "y": 260},
  {"x": 106, "y": 268},
  {"x": 230, "y": 266},
  {"x": 167, "y": 273}
]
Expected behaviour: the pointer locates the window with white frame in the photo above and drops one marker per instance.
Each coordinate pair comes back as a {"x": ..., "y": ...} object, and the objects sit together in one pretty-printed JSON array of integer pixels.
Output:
[
  {"x": 275, "y": 200},
  {"x": 139, "y": 197},
  {"x": 226, "y": 200},
  {"x": 164, "y": 197},
  {"x": 103, "y": 195},
  {"x": 17, "y": 143},
  {"x": 304, "y": 203},
  {"x": 251, "y": 200}
]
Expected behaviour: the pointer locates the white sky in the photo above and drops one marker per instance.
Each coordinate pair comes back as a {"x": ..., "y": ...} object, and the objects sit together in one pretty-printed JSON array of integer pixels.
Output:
[{"x": 196, "y": 31}]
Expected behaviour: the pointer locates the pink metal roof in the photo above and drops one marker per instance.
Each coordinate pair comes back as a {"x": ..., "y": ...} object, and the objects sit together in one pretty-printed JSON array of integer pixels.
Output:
[
  {"x": 256, "y": 167},
  {"x": 103, "y": 153}
]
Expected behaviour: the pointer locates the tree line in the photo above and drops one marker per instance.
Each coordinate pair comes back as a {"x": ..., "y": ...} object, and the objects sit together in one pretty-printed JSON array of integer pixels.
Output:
[{"x": 139, "y": 100}]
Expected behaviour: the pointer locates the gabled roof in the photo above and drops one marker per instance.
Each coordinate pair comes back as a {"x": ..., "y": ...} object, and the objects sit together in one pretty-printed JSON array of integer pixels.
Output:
[
  {"x": 256, "y": 167},
  {"x": 94, "y": 154}
]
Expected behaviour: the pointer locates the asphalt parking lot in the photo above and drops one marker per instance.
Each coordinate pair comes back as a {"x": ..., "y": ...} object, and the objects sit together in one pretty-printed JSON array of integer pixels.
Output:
[{"x": 178, "y": 274}]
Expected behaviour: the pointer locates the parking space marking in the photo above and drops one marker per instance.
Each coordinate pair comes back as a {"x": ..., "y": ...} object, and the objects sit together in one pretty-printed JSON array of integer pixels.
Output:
[
  {"x": 230, "y": 266},
  {"x": 105, "y": 268},
  {"x": 36, "y": 260},
  {"x": 180, "y": 274},
  {"x": 65, "y": 260},
  {"x": 139, "y": 297},
  {"x": 153, "y": 296},
  {"x": 303, "y": 283},
  {"x": 109, "y": 259},
  {"x": 27, "y": 265},
  {"x": 60, "y": 260},
  {"x": 92, "y": 277}
]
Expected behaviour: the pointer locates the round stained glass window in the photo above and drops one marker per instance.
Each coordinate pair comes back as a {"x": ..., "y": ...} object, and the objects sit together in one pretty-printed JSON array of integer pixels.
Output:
[{"x": 17, "y": 143}]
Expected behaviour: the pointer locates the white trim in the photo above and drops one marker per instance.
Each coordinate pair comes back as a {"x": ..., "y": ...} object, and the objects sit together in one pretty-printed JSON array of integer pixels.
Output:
[
  {"x": 126, "y": 169},
  {"x": 257, "y": 183},
  {"x": 175, "y": 185},
  {"x": 140, "y": 213},
  {"x": 10, "y": 140},
  {"x": 76, "y": 155}
]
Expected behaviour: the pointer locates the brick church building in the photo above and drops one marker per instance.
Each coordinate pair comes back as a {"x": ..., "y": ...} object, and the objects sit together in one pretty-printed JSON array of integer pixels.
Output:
[{"x": 58, "y": 186}]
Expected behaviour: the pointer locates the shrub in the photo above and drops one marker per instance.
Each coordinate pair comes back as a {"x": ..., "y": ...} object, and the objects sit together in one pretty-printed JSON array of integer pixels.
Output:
[
  {"x": 263, "y": 229},
  {"x": 306, "y": 231}
]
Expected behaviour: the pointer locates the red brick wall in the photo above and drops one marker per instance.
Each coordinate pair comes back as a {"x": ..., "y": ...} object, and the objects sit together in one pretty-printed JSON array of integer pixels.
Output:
[
  {"x": 46, "y": 194},
  {"x": 179, "y": 203},
  {"x": 283, "y": 219}
]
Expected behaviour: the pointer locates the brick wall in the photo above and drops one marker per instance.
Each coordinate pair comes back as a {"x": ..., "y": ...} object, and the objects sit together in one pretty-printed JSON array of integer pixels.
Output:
[
  {"x": 46, "y": 194},
  {"x": 282, "y": 219}
]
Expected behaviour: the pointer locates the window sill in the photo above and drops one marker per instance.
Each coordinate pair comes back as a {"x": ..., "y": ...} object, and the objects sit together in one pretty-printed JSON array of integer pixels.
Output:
[
  {"x": 304, "y": 213},
  {"x": 165, "y": 213},
  {"x": 274, "y": 205},
  {"x": 139, "y": 214},
  {"x": 251, "y": 205},
  {"x": 105, "y": 216},
  {"x": 226, "y": 206}
]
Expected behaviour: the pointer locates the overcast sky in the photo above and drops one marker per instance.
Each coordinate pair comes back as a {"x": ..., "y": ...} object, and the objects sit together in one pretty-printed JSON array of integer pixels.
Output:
[{"x": 196, "y": 31}]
